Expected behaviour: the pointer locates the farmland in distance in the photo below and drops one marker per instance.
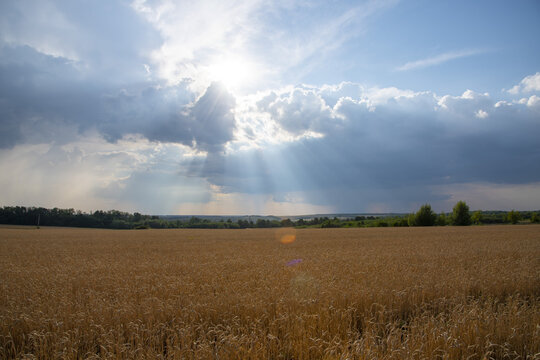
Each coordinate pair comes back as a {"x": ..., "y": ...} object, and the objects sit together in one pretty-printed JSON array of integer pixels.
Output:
[{"x": 396, "y": 293}]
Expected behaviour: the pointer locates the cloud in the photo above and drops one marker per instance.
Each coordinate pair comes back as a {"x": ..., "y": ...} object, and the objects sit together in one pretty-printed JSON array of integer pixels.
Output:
[
  {"x": 213, "y": 118},
  {"x": 194, "y": 33},
  {"x": 113, "y": 104},
  {"x": 248, "y": 204},
  {"x": 85, "y": 71},
  {"x": 90, "y": 173},
  {"x": 318, "y": 30},
  {"x": 377, "y": 149},
  {"x": 439, "y": 59},
  {"x": 39, "y": 90},
  {"x": 528, "y": 84},
  {"x": 200, "y": 36},
  {"x": 384, "y": 146},
  {"x": 298, "y": 111},
  {"x": 43, "y": 97},
  {"x": 490, "y": 196},
  {"x": 102, "y": 40},
  {"x": 533, "y": 102},
  {"x": 166, "y": 114},
  {"x": 481, "y": 114},
  {"x": 64, "y": 175},
  {"x": 40, "y": 25}
]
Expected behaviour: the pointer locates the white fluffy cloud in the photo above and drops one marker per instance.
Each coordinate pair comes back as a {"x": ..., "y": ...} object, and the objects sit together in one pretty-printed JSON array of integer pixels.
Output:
[
  {"x": 328, "y": 110},
  {"x": 297, "y": 111},
  {"x": 528, "y": 84},
  {"x": 481, "y": 114}
]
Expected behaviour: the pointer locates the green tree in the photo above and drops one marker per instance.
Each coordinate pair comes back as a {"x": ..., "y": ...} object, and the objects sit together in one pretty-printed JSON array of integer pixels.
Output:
[
  {"x": 286, "y": 223},
  {"x": 460, "y": 214},
  {"x": 425, "y": 216},
  {"x": 442, "y": 220},
  {"x": 411, "y": 220},
  {"x": 477, "y": 217},
  {"x": 534, "y": 218},
  {"x": 402, "y": 222},
  {"x": 513, "y": 217}
]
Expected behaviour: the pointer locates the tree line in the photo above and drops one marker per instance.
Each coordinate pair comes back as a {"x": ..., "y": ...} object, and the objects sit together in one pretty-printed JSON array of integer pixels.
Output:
[
  {"x": 462, "y": 216},
  {"x": 114, "y": 219}
]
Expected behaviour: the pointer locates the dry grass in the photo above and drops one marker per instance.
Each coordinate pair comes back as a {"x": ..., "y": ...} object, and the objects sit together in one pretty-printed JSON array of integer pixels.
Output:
[{"x": 396, "y": 293}]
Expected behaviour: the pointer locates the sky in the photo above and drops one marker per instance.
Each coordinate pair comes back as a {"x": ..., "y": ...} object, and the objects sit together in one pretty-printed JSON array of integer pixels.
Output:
[{"x": 277, "y": 107}]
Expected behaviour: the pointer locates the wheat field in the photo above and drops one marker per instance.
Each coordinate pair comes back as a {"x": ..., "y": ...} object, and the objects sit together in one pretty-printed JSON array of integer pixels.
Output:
[{"x": 377, "y": 293}]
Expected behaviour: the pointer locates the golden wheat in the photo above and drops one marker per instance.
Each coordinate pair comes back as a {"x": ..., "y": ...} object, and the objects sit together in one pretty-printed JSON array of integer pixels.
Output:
[{"x": 384, "y": 293}]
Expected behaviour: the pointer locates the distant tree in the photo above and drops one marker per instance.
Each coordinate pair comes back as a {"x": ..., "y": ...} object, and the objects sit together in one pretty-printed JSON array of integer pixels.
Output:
[
  {"x": 477, "y": 217},
  {"x": 425, "y": 216},
  {"x": 442, "y": 220},
  {"x": 243, "y": 223},
  {"x": 120, "y": 224},
  {"x": 286, "y": 223},
  {"x": 513, "y": 217},
  {"x": 534, "y": 218},
  {"x": 381, "y": 223},
  {"x": 401, "y": 222},
  {"x": 334, "y": 223},
  {"x": 460, "y": 214},
  {"x": 411, "y": 220}
]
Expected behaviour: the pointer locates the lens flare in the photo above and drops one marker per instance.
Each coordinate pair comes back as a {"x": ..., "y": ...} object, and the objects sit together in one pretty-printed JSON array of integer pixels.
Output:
[
  {"x": 294, "y": 262},
  {"x": 286, "y": 235}
]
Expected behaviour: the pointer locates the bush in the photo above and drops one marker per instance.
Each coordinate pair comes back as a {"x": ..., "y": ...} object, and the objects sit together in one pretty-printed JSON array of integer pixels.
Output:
[
  {"x": 461, "y": 215},
  {"x": 477, "y": 217},
  {"x": 534, "y": 218},
  {"x": 513, "y": 217},
  {"x": 381, "y": 223},
  {"x": 442, "y": 220},
  {"x": 330, "y": 224},
  {"x": 401, "y": 222},
  {"x": 425, "y": 216}
]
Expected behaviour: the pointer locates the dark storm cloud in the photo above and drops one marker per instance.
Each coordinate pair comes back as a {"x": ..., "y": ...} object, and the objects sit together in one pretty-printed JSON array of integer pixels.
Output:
[
  {"x": 40, "y": 95},
  {"x": 212, "y": 118},
  {"x": 83, "y": 67},
  {"x": 395, "y": 149},
  {"x": 172, "y": 115}
]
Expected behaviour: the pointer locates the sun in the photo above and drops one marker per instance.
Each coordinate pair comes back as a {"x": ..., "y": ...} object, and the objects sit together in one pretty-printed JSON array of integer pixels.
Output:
[{"x": 235, "y": 72}]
